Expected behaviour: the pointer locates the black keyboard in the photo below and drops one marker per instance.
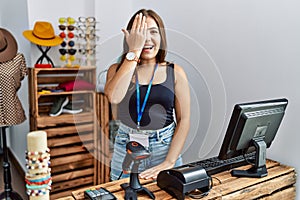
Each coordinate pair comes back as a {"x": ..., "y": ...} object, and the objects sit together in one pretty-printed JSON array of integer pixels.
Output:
[{"x": 215, "y": 165}]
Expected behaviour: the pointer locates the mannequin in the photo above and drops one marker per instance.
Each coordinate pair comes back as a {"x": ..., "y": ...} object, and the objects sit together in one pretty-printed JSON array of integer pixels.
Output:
[{"x": 12, "y": 72}]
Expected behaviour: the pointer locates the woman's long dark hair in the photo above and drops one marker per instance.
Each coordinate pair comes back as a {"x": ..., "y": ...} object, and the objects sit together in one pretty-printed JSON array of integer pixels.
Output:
[{"x": 161, "y": 55}]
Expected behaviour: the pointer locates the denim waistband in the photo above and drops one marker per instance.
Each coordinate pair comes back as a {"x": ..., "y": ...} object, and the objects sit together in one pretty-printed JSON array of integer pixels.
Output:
[{"x": 151, "y": 133}]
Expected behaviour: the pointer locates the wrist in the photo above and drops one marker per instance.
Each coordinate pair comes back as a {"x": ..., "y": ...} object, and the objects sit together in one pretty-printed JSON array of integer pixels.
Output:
[
  {"x": 132, "y": 56},
  {"x": 169, "y": 162},
  {"x": 137, "y": 51}
]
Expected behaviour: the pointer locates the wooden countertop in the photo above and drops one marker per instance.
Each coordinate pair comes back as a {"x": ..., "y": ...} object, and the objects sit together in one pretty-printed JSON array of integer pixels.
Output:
[{"x": 279, "y": 184}]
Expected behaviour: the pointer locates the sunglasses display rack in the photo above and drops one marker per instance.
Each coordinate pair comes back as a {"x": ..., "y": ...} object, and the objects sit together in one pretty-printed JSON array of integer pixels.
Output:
[
  {"x": 86, "y": 41},
  {"x": 67, "y": 50}
]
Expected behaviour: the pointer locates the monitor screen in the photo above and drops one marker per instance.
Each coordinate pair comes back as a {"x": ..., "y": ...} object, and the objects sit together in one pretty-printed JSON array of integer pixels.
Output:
[{"x": 253, "y": 127}]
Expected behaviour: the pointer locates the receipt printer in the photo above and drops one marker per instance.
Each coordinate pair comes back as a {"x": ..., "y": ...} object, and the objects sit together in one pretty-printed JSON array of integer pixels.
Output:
[{"x": 180, "y": 180}]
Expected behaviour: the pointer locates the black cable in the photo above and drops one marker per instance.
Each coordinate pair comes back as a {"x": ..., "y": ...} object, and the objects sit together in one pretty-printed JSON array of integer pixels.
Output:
[
  {"x": 217, "y": 179},
  {"x": 199, "y": 194}
]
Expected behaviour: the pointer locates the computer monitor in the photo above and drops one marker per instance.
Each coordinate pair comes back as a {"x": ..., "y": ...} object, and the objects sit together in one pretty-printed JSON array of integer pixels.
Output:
[{"x": 252, "y": 127}]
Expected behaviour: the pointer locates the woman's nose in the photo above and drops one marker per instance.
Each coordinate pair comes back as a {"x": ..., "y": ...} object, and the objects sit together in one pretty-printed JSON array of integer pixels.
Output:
[{"x": 148, "y": 36}]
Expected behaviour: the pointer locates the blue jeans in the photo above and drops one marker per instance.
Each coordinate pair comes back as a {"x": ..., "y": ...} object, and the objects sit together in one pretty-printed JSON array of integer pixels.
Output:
[{"x": 159, "y": 143}]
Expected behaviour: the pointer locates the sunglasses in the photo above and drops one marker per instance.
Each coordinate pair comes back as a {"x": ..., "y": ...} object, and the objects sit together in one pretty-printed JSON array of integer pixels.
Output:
[
  {"x": 90, "y": 36},
  {"x": 64, "y": 27},
  {"x": 63, "y": 35},
  {"x": 86, "y": 45},
  {"x": 86, "y": 27},
  {"x": 86, "y": 19},
  {"x": 86, "y": 30},
  {"x": 69, "y": 20},
  {"x": 87, "y": 51},
  {"x": 67, "y": 51},
  {"x": 64, "y": 58},
  {"x": 70, "y": 43}
]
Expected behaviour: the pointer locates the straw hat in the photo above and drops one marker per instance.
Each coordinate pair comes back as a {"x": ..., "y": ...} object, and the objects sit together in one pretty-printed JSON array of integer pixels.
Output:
[
  {"x": 8, "y": 46},
  {"x": 43, "y": 34}
]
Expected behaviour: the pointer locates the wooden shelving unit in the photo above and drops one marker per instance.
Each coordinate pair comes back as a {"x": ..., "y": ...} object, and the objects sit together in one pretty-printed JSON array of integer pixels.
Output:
[{"x": 72, "y": 139}]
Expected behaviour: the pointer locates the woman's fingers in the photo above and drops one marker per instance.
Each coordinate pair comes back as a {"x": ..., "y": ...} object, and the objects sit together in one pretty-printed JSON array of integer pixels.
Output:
[
  {"x": 145, "y": 29},
  {"x": 139, "y": 21},
  {"x": 136, "y": 37},
  {"x": 134, "y": 24},
  {"x": 143, "y": 23}
]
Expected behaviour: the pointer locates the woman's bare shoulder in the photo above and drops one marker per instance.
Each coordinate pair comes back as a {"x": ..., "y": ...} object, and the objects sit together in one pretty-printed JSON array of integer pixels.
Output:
[
  {"x": 112, "y": 70},
  {"x": 179, "y": 72},
  {"x": 113, "y": 67},
  {"x": 178, "y": 69}
]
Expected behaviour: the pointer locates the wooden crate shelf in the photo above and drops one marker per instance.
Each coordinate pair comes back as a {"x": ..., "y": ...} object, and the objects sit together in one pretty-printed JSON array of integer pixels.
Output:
[
  {"x": 72, "y": 139},
  {"x": 47, "y": 121}
]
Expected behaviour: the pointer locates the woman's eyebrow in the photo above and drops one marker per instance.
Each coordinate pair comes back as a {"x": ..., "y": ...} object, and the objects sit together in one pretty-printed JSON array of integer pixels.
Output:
[{"x": 152, "y": 28}]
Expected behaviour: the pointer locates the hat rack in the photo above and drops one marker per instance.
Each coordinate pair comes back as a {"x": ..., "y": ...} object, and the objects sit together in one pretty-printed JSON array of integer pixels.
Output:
[
  {"x": 44, "y": 37},
  {"x": 44, "y": 55}
]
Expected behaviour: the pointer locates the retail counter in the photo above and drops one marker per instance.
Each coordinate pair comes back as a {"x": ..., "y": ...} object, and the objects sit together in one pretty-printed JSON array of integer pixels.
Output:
[{"x": 279, "y": 184}]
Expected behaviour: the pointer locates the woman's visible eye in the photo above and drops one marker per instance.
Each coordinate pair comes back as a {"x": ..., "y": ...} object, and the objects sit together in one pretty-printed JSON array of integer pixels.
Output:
[{"x": 154, "y": 31}]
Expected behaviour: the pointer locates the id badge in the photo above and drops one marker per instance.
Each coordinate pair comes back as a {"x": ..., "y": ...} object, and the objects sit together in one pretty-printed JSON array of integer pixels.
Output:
[{"x": 140, "y": 138}]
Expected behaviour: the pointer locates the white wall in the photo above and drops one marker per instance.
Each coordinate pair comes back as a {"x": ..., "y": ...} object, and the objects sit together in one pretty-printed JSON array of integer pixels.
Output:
[{"x": 233, "y": 52}]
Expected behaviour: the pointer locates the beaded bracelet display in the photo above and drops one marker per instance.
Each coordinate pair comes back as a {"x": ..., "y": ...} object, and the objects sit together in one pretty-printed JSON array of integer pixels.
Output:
[
  {"x": 41, "y": 176},
  {"x": 40, "y": 181},
  {"x": 38, "y": 156},
  {"x": 36, "y": 192},
  {"x": 37, "y": 160},
  {"x": 38, "y": 166},
  {"x": 38, "y": 178},
  {"x": 39, "y": 173},
  {"x": 37, "y": 152},
  {"x": 37, "y": 187}
]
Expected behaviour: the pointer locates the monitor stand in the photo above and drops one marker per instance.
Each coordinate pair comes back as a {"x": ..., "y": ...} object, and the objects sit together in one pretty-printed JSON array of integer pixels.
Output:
[{"x": 259, "y": 170}]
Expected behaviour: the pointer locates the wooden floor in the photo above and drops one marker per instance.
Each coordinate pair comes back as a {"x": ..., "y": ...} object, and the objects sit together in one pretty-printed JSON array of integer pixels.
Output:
[{"x": 17, "y": 180}]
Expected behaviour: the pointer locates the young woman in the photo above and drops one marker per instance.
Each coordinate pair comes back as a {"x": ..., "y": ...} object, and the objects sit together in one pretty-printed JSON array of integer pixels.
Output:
[{"x": 152, "y": 97}]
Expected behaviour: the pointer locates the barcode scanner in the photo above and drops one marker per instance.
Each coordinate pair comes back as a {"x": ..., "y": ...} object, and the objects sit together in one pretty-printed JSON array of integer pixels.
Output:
[{"x": 135, "y": 152}]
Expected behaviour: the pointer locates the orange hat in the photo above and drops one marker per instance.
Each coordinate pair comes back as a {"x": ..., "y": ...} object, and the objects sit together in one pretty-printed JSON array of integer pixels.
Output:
[
  {"x": 43, "y": 34},
  {"x": 8, "y": 46}
]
